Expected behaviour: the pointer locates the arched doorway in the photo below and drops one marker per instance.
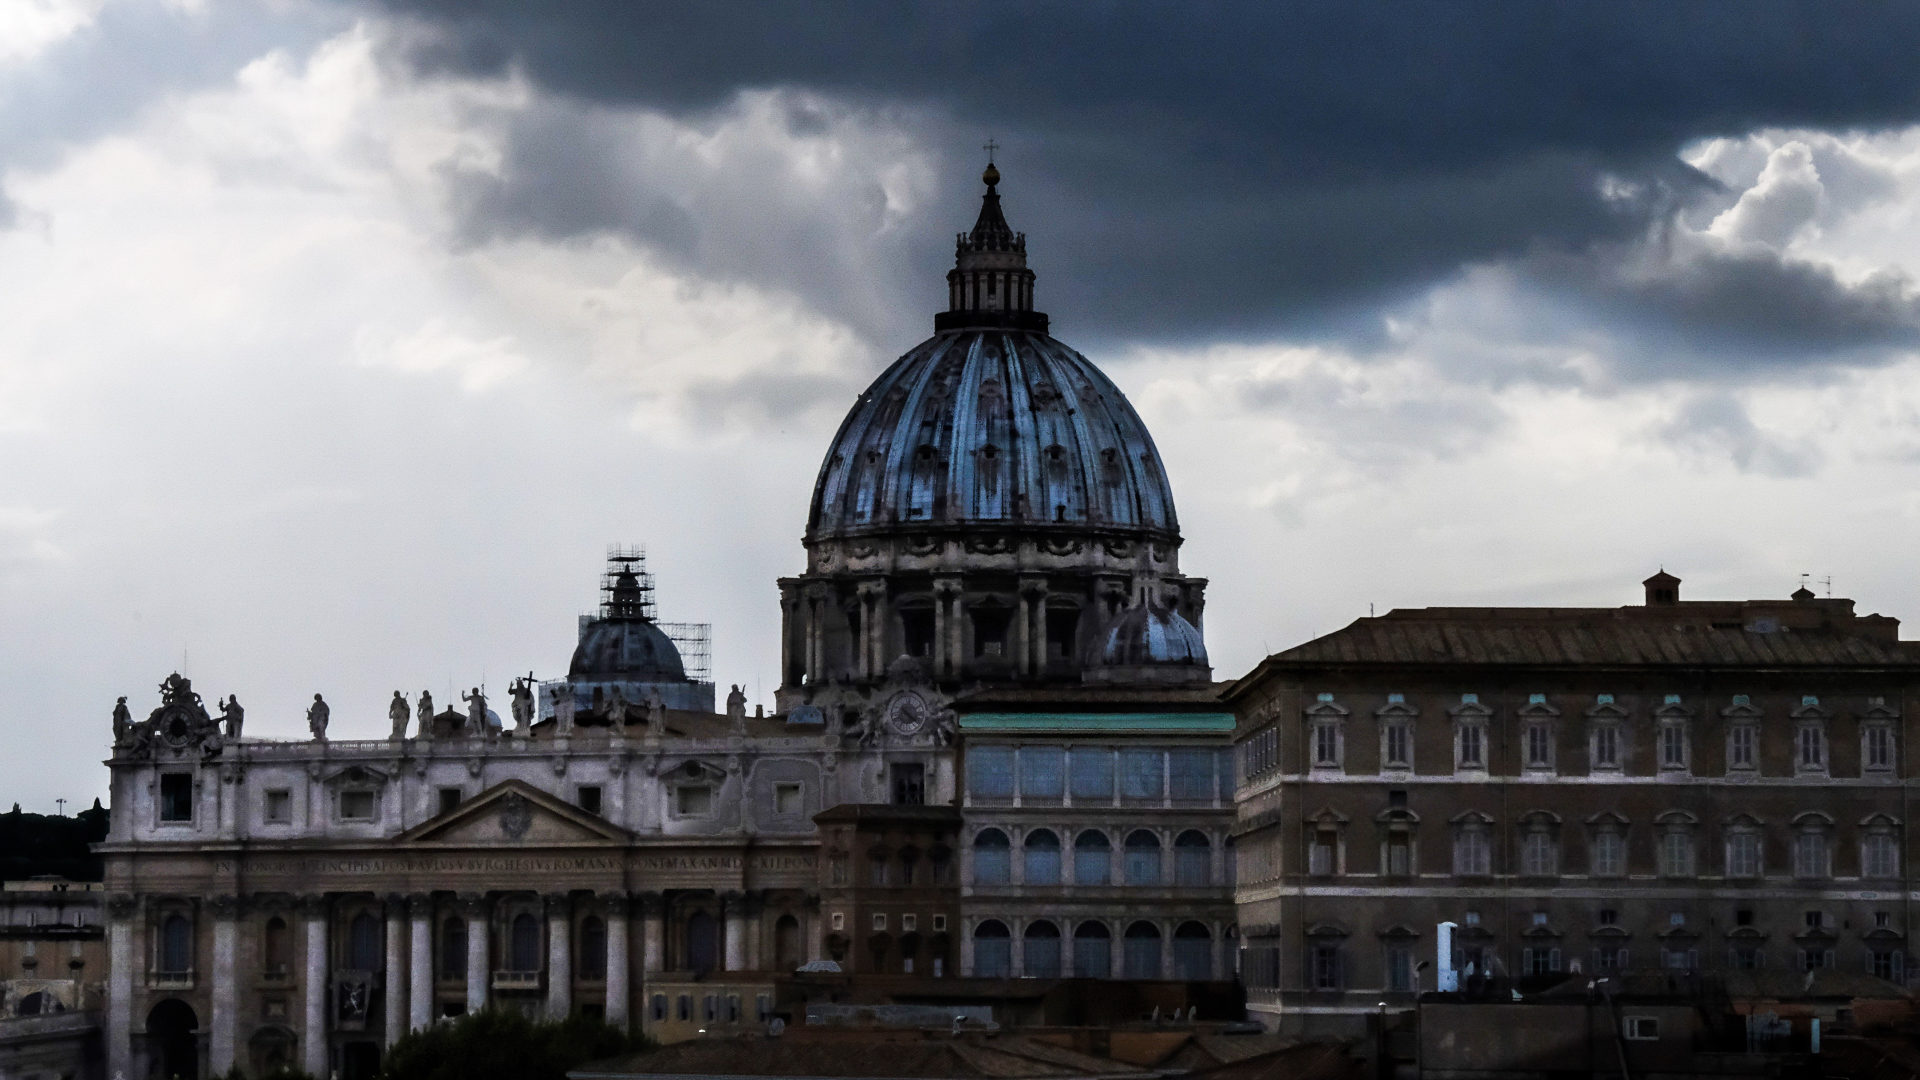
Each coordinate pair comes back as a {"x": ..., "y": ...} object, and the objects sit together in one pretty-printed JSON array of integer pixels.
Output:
[
  {"x": 703, "y": 942},
  {"x": 1192, "y": 952},
  {"x": 1093, "y": 950},
  {"x": 173, "y": 1043}
]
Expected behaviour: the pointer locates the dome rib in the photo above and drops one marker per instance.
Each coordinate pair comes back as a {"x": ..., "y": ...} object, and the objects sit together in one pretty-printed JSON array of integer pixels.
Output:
[{"x": 930, "y": 417}]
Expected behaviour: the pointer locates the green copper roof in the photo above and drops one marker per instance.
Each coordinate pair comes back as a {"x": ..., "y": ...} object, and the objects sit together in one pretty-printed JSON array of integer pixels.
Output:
[{"x": 1096, "y": 722}]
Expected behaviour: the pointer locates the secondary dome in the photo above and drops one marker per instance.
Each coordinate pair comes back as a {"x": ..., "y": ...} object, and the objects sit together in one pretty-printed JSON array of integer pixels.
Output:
[
  {"x": 626, "y": 649},
  {"x": 992, "y": 422}
]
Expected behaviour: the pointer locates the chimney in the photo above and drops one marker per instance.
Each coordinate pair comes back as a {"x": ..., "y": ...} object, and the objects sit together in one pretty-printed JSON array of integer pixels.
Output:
[{"x": 1662, "y": 589}]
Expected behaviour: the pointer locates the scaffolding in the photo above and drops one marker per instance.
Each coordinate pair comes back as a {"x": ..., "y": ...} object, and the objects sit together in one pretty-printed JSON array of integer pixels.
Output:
[{"x": 694, "y": 640}]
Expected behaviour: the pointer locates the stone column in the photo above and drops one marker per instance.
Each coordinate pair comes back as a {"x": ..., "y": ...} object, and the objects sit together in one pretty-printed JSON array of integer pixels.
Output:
[
  {"x": 939, "y": 633},
  {"x": 619, "y": 962},
  {"x": 420, "y": 975},
  {"x": 1222, "y": 952},
  {"x": 653, "y": 933},
  {"x": 559, "y": 956},
  {"x": 120, "y": 964},
  {"x": 313, "y": 1039},
  {"x": 220, "y": 1036},
  {"x": 1035, "y": 593},
  {"x": 1166, "y": 948},
  {"x": 474, "y": 907},
  {"x": 1019, "y": 948},
  {"x": 1023, "y": 635},
  {"x": 396, "y": 988},
  {"x": 736, "y": 923},
  {"x": 756, "y": 911}
]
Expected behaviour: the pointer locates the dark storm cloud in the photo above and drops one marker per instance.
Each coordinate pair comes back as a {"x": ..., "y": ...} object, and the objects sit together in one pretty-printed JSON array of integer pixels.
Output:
[{"x": 1225, "y": 169}]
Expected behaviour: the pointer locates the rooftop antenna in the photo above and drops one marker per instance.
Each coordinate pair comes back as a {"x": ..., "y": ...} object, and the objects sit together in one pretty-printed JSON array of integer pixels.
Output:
[
  {"x": 62, "y": 805},
  {"x": 1827, "y": 583}
]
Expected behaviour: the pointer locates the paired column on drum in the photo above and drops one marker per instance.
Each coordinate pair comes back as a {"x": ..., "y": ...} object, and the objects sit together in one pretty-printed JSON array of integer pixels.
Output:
[
  {"x": 653, "y": 932},
  {"x": 474, "y": 907},
  {"x": 735, "y": 906},
  {"x": 619, "y": 962},
  {"x": 420, "y": 966},
  {"x": 226, "y": 943},
  {"x": 559, "y": 956},
  {"x": 313, "y": 1039}
]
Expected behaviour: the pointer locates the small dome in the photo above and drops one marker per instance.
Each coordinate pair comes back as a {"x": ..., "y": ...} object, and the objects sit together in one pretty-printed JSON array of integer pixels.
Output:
[
  {"x": 629, "y": 649},
  {"x": 1151, "y": 635}
]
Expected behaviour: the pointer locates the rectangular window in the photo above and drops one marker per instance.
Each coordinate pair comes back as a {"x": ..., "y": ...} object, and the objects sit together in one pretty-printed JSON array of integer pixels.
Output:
[
  {"x": 1471, "y": 749},
  {"x": 1539, "y": 960},
  {"x": 1190, "y": 774},
  {"x": 1742, "y": 746},
  {"x": 1810, "y": 855},
  {"x": 1878, "y": 752},
  {"x": 1399, "y": 969},
  {"x": 1745, "y": 958},
  {"x": 1539, "y": 746},
  {"x": 1610, "y": 958},
  {"x": 176, "y": 797},
  {"x": 787, "y": 798},
  {"x": 909, "y": 923},
  {"x": 658, "y": 1006},
  {"x": 1879, "y": 856},
  {"x": 1676, "y": 854},
  {"x": 990, "y": 773},
  {"x": 693, "y": 800},
  {"x": 1326, "y": 967},
  {"x": 1743, "y": 855},
  {"x": 1043, "y": 775},
  {"x": 1813, "y": 748},
  {"x": 277, "y": 809},
  {"x": 939, "y": 923},
  {"x": 1606, "y": 746},
  {"x": 1142, "y": 775},
  {"x": 909, "y": 784},
  {"x": 1609, "y": 854},
  {"x": 1323, "y": 854},
  {"x": 1396, "y": 746},
  {"x": 1326, "y": 745},
  {"x": 685, "y": 1007},
  {"x": 1539, "y": 855},
  {"x": 1090, "y": 774},
  {"x": 839, "y": 920},
  {"x": 357, "y": 805},
  {"x": 1472, "y": 853},
  {"x": 449, "y": 799},
  {"x": 1888, "y": 964},
  {"x": 1673, "y": 745},
  {"x": 1815, "y": 959},
  {"x": 1641, "y": 1028},
  {"x": 1399, "y": 856},
  {"x": 588, "y": 797},
  {"x": 880, "y": 922}
]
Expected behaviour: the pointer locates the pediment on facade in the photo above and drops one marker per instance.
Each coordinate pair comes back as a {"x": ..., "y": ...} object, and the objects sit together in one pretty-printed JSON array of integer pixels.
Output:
[{"x": 515, "y": 812}]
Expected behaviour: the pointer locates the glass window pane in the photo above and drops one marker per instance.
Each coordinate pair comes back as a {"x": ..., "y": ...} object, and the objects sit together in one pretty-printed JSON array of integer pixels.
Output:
[
  {"x": 990, "y": 773},
  {"x": 1092, "y": 769},
  {"x": 1190, "y": 771},
  {"x": 1141, "y": 774},
  {"x": 1042, "y": 773}
]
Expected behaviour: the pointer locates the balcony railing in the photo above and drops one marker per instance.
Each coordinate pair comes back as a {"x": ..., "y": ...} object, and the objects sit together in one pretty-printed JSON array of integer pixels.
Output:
[
  {"x": 170, "y": 980},
  {"x": 516, "y": 980}
]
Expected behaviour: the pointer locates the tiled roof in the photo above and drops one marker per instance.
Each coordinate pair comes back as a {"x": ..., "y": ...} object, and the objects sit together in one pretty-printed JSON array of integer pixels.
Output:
[{"x": 1619, "y": 637}]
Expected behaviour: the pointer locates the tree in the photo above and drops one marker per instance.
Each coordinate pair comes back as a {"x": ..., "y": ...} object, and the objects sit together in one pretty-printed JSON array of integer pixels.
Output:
[{"x": 499, "y": 1045}]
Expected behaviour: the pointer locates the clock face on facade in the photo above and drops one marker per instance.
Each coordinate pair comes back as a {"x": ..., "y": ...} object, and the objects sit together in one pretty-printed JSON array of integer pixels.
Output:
[{"x": 908, "y": 713}]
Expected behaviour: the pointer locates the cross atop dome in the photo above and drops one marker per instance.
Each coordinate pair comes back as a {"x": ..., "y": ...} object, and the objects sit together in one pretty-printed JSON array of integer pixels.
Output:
[{"x": 990, "y": 285}]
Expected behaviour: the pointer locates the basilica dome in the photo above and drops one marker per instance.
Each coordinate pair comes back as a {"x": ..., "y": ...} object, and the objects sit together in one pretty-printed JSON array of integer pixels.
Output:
[{"x": 992, "y": 422}]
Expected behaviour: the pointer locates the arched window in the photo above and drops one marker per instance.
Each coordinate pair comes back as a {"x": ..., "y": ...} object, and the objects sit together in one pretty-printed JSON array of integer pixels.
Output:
[
  {"x": 453, "y": 948},
  {"x": 593, "y": 949},
  {"x": 992, "y": 950},
  {"x": 1093, "y": 950},
  {"x": 1143, "y": 858},
  {"x": 1043, "y": 858},
  {"x": 1192, "y": 859},
  {"x": 786, "y": 943},
  {"x": 1141, "y": 951},
  {"x": 1042, "y": 950},
  {"x": 273, "y": 947},
  {"x": 992, "y": 858},
  {"x": 176, "y": 945},
  {"x": 523, "y": 943},
  {"x": 1092, "y": 859},
  {"x": 1192, "y": 952},
  {"x": 364, "y": 944}
]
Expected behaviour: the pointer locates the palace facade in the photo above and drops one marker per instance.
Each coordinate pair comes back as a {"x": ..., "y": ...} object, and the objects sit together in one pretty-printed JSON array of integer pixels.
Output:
[{"x": 1678, "y": 786}]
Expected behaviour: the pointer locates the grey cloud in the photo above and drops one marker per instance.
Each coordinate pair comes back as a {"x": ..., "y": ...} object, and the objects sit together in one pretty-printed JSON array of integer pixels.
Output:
[
  {"x": 1717, "y": 425},
  {"x": 1221, "y": 171}
]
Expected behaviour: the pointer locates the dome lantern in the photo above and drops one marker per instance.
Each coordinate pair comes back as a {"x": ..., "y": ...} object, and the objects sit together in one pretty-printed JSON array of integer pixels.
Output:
[{"x": 990, "y": 285}]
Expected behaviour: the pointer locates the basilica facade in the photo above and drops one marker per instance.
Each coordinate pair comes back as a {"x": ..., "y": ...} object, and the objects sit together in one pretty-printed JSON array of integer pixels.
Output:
[{"x": 991, "y": 606}]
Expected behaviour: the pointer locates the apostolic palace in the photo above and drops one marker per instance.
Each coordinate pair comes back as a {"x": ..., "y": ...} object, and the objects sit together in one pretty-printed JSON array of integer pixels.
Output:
[{"x": 998, "y": 761}]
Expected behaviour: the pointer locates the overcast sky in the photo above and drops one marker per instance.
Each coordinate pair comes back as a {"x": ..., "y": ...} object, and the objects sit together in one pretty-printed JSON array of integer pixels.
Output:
[{"x": 338, "y": 340}]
